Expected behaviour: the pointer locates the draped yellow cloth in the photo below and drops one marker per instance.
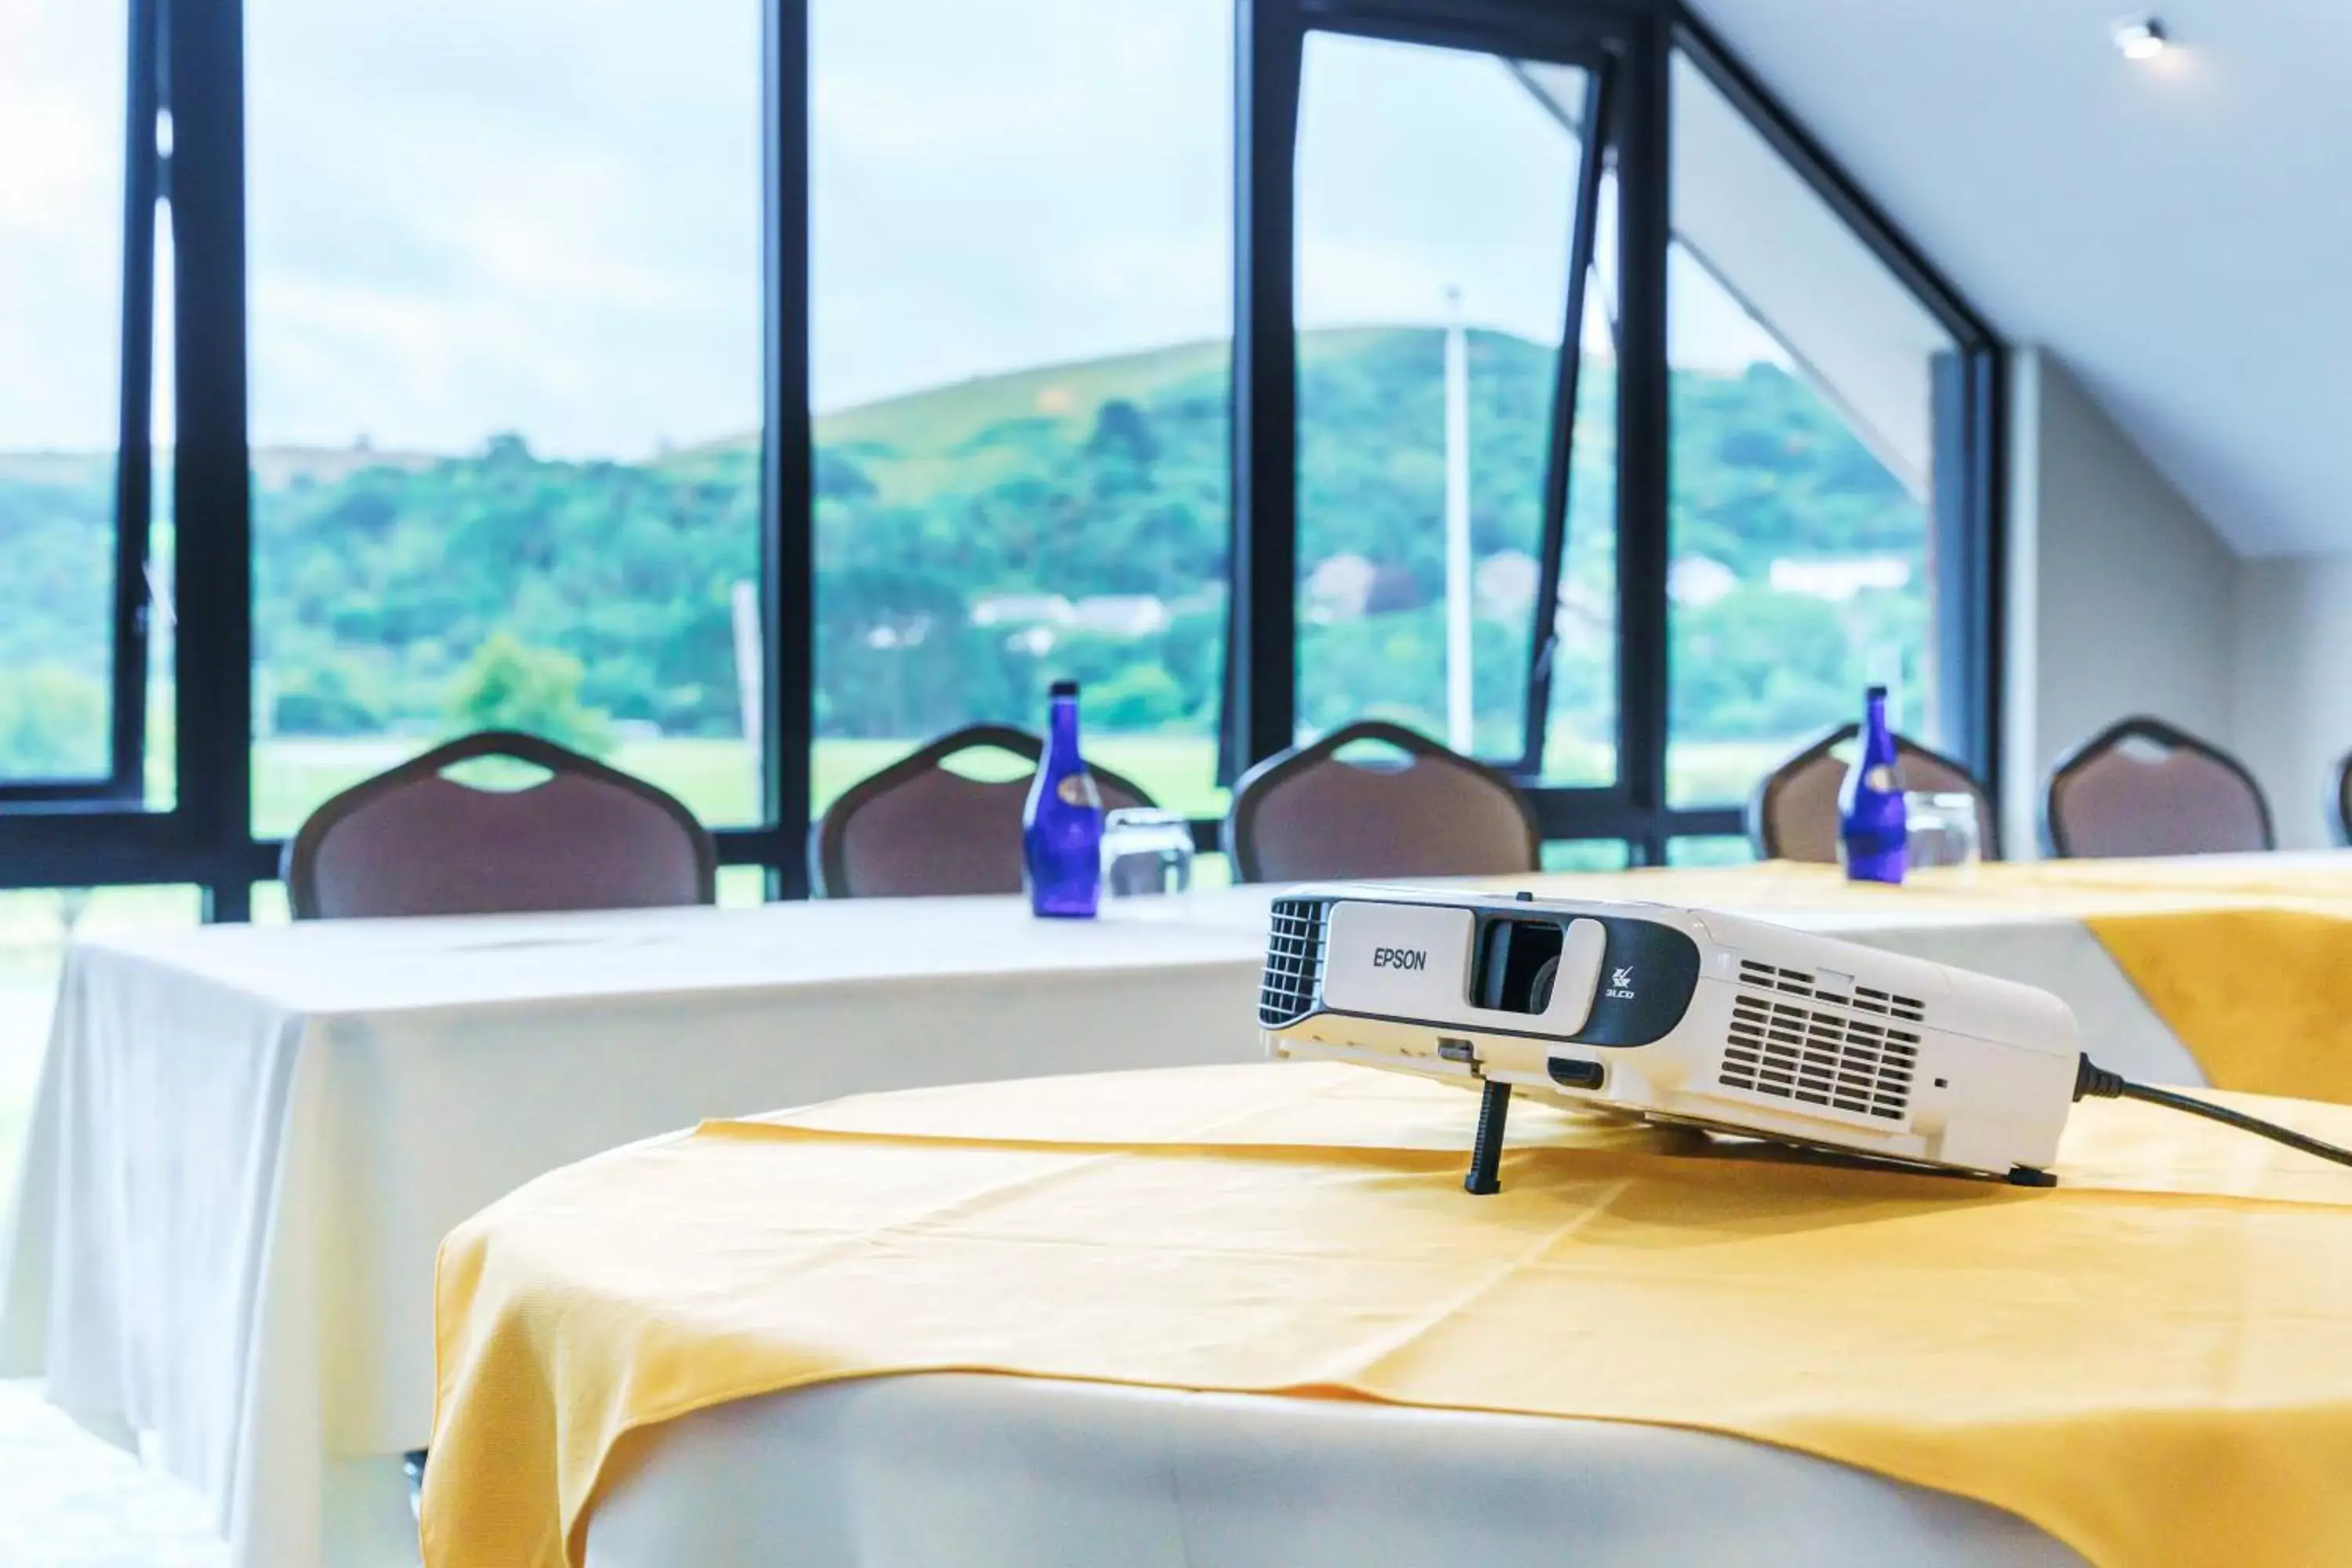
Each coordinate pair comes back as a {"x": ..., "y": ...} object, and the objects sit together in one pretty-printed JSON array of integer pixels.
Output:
[
  {"x": 2149, "y": 1362},
  {"x": 2248, "y": 959}
]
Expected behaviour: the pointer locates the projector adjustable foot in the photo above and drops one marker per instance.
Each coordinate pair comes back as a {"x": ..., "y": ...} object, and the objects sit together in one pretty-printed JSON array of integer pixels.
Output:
[
  {"x": 2025, "y": 1176},
  {"x": 1487, "y": 1152}
]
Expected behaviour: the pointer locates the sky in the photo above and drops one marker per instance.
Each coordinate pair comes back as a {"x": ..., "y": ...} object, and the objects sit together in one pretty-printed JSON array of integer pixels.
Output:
[
  {"x": 542, "y": 215},
  {"x": 61, "y": 112}
]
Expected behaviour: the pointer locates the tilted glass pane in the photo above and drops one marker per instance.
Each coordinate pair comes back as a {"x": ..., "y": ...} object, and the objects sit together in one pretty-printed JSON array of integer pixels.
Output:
[
  {"x": 1580, "y": 733},
  {"x": 1436, "y": 194},
  {"x": 1022, "y": 312},
  {"x": 162, "y": 763},
  {"x": 506, "y": 317},
  {"x": 1803, "y": 533},
  {"x": 63, "y": 75}
]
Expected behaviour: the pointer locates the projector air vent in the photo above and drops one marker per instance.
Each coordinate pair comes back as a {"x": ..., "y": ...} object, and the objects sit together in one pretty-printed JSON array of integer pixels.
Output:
[
  {"x": 1792, "y": 1038},
  {"x": 1294, "y": 962}
]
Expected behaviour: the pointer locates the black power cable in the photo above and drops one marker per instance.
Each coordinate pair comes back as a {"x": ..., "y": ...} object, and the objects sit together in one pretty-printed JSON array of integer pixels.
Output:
[{"x": 2093, "y": 1081}]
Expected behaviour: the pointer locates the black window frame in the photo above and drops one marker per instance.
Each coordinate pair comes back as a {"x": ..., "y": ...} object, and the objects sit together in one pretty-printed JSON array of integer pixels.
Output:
[
  {"x": 186, "y": 59},
  {"x": 1603, "y": 40}
]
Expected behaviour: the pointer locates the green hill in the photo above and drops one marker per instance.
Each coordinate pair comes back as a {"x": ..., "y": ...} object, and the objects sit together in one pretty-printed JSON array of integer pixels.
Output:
[{"x": 943, "y": 516}]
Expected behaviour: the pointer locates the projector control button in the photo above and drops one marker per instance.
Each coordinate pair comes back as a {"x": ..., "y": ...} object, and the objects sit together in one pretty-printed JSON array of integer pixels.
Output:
[{"x": 1576, "y": 1075}]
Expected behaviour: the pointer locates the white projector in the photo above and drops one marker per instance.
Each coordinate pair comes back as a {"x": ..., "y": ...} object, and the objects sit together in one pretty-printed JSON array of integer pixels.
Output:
[{"x": 1675, "y": 1015}]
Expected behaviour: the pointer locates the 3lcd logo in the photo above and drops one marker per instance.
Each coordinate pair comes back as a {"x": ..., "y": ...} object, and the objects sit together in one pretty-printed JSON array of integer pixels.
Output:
[{"x": 1400, "y": 958}]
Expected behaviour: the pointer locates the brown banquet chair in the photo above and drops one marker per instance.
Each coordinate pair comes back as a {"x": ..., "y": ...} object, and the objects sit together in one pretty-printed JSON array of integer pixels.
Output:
[
  {"x": 1793, "y": 813},
  {"x": 412, "y": 841},
  {"x": 2342, "y": 824},
  {"x": 2141, "y": 787},
  {"x": 1309, "y": 814},
  {"x": 918, "y": 827}
]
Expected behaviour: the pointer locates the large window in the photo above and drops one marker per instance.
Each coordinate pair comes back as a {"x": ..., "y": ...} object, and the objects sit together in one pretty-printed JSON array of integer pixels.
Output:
[
  {"x": 1803, "y": 521},
  {"x": 505, "y": 387},
  {"x": 62, "y": 169},
  {"x": 1022, "y": 315},
  {"x": 655, "y": 375}
]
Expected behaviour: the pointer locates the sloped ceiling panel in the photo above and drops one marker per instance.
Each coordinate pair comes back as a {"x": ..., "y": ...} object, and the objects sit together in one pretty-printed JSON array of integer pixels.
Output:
[{"x": 2175, "y": 230}]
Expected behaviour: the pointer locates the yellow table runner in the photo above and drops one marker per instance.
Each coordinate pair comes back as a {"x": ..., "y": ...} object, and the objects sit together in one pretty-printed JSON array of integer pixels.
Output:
[
  {"x": 2149, "y": 1361},
  {"x": 2247, "y": 959}
]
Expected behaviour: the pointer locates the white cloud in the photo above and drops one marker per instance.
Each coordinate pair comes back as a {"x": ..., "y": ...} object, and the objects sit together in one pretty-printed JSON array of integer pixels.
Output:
[
  {"x": 61, "y": 112},
  {"x": 473, "y": 216}
]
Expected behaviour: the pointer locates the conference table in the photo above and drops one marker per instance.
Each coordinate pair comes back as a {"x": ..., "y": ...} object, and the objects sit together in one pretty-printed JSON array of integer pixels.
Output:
[
  {"x": 248, "y": 1143},
  {"x": 1247, "y": 1315},
  {"x": 1021, "y": 1472}
]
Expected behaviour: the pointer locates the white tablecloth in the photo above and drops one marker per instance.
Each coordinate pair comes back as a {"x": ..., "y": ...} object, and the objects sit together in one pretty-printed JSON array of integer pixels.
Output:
[
  {"x": 248, "y": 1142},
  {"x": 1003, "y": 1472}
]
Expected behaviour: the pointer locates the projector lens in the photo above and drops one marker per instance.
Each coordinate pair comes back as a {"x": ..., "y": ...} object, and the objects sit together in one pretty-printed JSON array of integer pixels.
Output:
[
  {"x": 1540, "y": 988},
  {"x": 1518, "y": 960}
]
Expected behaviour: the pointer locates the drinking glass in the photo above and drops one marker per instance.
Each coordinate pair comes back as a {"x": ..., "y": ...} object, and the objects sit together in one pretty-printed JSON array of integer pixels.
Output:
[
  {"x": 1940, "y": 828},
  {"x": 1146, "y": 851}
]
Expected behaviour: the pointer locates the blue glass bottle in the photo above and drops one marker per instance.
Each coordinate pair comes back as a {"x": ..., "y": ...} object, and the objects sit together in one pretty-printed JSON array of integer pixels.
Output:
[
  {"x": 1062, "y": 827},
  {"x": 1871, "y": 812}
]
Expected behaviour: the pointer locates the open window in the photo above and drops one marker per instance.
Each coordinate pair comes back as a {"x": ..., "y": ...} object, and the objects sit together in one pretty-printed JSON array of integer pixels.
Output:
[
  {"x": 1820, "y": 510},
  {"x": 1449, "y": 203},
  {"x": 1599, "y": 427}
]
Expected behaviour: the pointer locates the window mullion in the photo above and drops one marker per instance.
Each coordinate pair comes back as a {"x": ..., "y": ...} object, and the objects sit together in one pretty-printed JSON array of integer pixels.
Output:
[
  {"x": 1644, "y": 491},
  {"x": 133, "y": 471},
  {"x": 1261, "y": 567}
]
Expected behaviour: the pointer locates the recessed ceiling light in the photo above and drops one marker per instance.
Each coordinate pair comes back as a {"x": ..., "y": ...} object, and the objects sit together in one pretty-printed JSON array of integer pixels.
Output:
[{"x": 2141, "y": 37}]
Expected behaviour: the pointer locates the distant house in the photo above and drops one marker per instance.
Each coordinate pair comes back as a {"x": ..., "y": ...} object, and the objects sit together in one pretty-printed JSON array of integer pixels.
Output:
[
  {"x": 1840, "y": 578},
  {"x": 1201, "y": 601},
  {"x": 1037, "y": 640},
  {"x": 1699, "y": 581},
  {"x": 1587, "y": 617},
  {"x": 1340, "y": 588},
  {"x": 1110, "y": 615},
  {"x": 907, "y": 633},
  {"x": 1122, "y": 614},
  {"x": 1023, "y": 610},
  {"x": 1505, "y": 583}
]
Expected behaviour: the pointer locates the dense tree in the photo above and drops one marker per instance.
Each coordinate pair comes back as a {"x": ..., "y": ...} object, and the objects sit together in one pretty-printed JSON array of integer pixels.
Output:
[
  {"x": 976, "y": 542},
  {"x": 509, "y": 685},
  {"x": 52, "y": 723}
]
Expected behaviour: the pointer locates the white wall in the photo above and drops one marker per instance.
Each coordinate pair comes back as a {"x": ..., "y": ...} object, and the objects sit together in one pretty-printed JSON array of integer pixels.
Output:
[
  {"x": 2121, "y": 598},
  {"x": 2294, "y": 690}
]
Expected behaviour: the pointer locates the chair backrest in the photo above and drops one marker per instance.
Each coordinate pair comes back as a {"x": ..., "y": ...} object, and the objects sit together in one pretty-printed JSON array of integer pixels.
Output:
[
  {"x": 411, "y": 842},
  {"x": 2141, "y": 787},
  {"x": 1793, "y": 813},
  {"x": 918, "y": 828},
  {"x": 1307, "y": 814},
  {"x": 2342, "y": 825}
]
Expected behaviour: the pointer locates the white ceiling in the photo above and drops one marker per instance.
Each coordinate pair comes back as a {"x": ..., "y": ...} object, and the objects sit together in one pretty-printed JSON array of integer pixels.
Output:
[{"x": 2178, "y": 231}]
